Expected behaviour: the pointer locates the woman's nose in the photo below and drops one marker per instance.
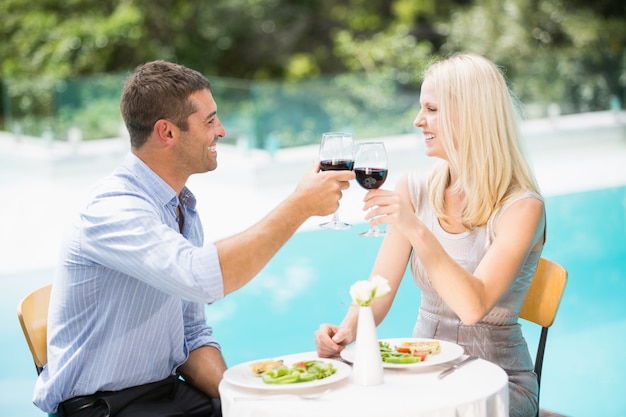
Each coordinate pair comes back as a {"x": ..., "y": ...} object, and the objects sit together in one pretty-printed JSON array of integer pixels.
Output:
[{"x": 419, "y": 120}]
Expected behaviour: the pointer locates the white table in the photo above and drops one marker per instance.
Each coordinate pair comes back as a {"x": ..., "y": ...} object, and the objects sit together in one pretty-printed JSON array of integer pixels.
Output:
[{"x": 477, "y": 389}]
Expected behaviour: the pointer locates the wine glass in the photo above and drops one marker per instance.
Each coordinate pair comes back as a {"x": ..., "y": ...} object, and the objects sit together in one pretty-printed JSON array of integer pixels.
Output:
[
  {"x": 336, "y": 154},
  {"x": 370, "y": 168}
]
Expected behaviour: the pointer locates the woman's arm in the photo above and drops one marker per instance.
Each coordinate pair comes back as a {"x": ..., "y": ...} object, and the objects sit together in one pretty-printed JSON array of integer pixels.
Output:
[
  {"x": 391, "y": 262},
  {"x": 470, "y": 296}
]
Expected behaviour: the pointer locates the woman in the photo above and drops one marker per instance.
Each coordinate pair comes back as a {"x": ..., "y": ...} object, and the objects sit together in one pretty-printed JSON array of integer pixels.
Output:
[{"x": 473, "y": 230}]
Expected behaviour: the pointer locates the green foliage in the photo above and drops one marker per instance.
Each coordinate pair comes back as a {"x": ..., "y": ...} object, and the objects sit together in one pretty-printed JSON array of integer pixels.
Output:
[
  {"x": 92, "y": 105},
  {"x": 553, "y": 51},
  {"x": 368, "y": 105},
  {"x": 64, "y": 39},
  {"x": 46, "y": 107},
  {"x": 395, "y": 52}
]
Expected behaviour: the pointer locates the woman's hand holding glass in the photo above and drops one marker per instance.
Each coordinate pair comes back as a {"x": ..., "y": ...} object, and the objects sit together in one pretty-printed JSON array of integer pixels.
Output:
[{"x": 370, "y": 168}]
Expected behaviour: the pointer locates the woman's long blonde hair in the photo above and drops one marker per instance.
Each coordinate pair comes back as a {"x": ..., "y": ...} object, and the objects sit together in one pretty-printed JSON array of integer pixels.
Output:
[{"x": 478, "y": 128}]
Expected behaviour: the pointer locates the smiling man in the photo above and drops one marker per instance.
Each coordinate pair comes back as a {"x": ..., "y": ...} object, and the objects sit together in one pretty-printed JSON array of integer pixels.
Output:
[{"x": 127, "y": 334}]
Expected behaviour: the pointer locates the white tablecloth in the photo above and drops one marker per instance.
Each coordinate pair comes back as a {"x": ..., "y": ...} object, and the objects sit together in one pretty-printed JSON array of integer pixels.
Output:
[{"x": 477, "y": 389}]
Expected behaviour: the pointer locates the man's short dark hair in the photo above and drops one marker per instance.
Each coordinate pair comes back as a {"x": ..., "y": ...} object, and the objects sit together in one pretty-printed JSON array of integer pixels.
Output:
[{"x": 158, "y": 90}]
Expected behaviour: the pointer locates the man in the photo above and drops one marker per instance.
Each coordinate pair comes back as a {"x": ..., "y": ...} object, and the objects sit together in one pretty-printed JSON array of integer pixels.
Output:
[{"x": 126, "y": 331}]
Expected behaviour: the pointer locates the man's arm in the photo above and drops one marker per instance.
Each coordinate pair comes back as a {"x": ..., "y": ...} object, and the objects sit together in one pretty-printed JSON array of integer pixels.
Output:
[
  {"x": 242, "y": 256},
  {"x": 204, "y": 369}
]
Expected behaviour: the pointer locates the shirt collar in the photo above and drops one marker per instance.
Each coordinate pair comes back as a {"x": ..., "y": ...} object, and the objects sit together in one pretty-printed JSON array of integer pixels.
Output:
[{"x": 160, "y": 189}]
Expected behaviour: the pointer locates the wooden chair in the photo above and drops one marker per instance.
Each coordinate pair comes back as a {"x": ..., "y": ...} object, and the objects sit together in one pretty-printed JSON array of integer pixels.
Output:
[
  {"x": 541, "y": 303},
  {"x": 32, "y": 313}
]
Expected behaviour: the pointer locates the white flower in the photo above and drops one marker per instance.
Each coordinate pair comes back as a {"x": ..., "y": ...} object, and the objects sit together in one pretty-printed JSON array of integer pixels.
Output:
[{"x": 363, "y": 292}]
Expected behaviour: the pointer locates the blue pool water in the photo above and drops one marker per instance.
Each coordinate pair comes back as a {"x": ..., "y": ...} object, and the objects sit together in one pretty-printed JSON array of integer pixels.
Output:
[{"x": 308, "y": 281}]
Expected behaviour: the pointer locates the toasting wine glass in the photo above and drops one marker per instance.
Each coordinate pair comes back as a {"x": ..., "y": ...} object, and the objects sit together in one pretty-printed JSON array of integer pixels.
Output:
[
  {"x": 336, "y": 154},
  {"x": 370, "y": 168}
]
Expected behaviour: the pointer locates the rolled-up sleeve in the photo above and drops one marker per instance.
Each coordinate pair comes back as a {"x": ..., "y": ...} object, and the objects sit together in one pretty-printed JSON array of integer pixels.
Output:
[{"x": 197, "y": 333}]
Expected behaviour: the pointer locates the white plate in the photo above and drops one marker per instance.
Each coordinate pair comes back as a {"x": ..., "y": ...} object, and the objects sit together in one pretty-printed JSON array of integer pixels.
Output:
[
  {"x": 242, "y": 376},
  {"x": 449, "y": 352}
]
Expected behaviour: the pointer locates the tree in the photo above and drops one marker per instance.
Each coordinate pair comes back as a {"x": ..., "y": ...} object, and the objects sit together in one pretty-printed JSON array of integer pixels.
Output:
[
  {"x": 553, "y": 51},
  {"x": 567, "y": 51}
]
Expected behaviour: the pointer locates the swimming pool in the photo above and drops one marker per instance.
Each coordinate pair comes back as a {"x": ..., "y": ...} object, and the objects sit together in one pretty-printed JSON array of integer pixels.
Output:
[
  {"x": 584, "y": 361},
  {"x": 307, "y": 283}
]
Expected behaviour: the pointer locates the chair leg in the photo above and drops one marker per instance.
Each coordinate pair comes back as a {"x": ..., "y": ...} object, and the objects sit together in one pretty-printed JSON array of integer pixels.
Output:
[
  {"x": 540, "y": 352},
  {"x": 539, "y": 362}
]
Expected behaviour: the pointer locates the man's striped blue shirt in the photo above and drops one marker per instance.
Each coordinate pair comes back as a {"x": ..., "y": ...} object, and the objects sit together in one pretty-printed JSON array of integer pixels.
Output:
[{"x": 127, "y": 303}]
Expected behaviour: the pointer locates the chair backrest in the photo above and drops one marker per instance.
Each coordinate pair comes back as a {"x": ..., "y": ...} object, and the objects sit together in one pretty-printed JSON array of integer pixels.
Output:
[
  {"x": 541, "y": 303},
  {"x": 32, "y": 313},
  {"x": 545, "y": 292}
]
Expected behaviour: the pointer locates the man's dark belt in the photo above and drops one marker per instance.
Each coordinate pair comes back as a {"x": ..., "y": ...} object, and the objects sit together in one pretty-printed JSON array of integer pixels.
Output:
[
  {"x": 76, "y": 404},
  {"x": 112, "y": 402}
]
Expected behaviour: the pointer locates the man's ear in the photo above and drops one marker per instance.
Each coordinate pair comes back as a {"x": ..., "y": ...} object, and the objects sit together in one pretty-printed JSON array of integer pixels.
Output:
[{"x": 165, "y": 131}]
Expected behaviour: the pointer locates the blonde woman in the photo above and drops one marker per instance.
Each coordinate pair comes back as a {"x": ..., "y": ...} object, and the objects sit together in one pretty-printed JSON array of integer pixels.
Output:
[{"x": 473, "y": 229}]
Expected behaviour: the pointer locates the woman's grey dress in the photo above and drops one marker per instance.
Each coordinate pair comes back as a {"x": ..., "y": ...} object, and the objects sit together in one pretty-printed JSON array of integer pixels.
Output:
[{"x": 497, "y": 337}]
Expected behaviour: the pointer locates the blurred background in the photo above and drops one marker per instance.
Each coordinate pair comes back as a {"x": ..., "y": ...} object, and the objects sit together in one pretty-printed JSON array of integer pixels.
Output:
[
  {"x": 283, "y": 72},
  {"x": 286, "y": 70}
]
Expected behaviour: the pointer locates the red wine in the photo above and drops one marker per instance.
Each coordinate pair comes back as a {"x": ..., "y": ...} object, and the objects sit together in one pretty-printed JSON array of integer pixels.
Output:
[
  {"x": 336, "y": 164},
  {"x": 370, "y": 178}
]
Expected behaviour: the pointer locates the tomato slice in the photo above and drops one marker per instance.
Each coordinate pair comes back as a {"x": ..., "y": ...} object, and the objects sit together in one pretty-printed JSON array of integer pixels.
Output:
[
  {"x": 300, "y": 365},
  {"x": 422, "y": 355},
  {"x": 402, "y": 349}
]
